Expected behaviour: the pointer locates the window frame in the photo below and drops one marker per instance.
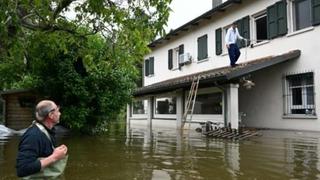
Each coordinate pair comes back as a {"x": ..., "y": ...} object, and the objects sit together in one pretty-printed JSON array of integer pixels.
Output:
[
  {"x": 294, "y": 14},
  {"x": 164, "y": 116},
  {"x": 255, "y": 17},
  {"x": 199, "y": 48},
  {"x": 175, "y": 58},
  {"x": 145, "y": 104},
  {"x": 148, "y": 66},
  {"x": 208, "y": 117},
  {"x": 288, "y": 95}
]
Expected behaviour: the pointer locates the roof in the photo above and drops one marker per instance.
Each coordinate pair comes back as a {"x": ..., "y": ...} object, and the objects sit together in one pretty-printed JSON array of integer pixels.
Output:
[
  {"x": 207, "y": 15},
  {"x": 15, "y": 91},
  {"x": 220, "y": 75}
]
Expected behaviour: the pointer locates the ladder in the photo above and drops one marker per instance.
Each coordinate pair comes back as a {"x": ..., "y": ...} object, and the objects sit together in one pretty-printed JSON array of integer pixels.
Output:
[{"x": 191, "y": 99}]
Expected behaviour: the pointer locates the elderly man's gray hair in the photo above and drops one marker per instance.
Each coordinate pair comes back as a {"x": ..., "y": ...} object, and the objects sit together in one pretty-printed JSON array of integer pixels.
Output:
[{"x": 43, "y": 108}]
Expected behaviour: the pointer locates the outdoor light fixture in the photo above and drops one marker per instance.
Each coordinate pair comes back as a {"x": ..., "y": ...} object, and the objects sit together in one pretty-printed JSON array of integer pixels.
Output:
[{"x": 248, "y": 84}]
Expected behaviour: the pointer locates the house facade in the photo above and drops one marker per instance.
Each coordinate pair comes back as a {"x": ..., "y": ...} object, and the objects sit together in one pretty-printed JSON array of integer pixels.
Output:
[{"x": 274, "y": 86}]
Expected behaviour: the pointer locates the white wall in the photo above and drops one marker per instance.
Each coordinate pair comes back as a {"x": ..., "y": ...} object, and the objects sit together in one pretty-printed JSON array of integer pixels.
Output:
[
  {"x": 264, "y": 103},
  {"x": 306, "y": 41}
]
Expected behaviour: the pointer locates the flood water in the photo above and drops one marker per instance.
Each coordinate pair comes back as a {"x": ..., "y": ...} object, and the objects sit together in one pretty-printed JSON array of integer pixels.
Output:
[{"x": 166, "y": 154}]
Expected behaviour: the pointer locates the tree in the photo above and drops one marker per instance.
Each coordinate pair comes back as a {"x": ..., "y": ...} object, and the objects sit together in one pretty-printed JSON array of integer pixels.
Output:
[{"x": 85, "y": 62}]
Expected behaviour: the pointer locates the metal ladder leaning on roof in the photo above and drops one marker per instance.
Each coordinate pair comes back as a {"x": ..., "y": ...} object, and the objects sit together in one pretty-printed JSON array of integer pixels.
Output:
[{"x": 191, "y": 99}]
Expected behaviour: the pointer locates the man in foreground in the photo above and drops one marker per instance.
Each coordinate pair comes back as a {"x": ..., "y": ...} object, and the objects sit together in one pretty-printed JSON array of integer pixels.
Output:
[{"x": 37, "y": 149}]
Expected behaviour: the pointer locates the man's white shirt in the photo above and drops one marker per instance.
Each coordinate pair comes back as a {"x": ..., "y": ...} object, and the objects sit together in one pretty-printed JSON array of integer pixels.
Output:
[{"x": 232, "y": 36}]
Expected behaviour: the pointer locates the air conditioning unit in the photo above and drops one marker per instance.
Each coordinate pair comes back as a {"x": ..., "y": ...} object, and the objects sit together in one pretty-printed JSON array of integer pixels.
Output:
[{"x": 185, "y": 58}]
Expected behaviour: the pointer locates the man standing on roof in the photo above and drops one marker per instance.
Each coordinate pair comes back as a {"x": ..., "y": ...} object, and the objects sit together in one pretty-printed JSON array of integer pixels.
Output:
[{"x": 231, "y": 42}]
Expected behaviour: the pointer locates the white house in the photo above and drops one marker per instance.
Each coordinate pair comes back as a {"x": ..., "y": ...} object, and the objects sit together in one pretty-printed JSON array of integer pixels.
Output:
[{"x": 275, "y": 85}]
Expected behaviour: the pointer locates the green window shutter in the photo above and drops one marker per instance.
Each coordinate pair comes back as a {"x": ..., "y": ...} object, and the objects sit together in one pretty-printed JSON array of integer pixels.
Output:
[
  {"x": 239, "y": 24},
  {"x": 202, "y": 47},
  {"x": 170, "y": 65},
  {"x": 245, "y": 30},
  {"x": 218, "y": 41},
  {"x": 199, "y": 48},
  {"x": 151, "y": 65},
  {"x": 282, "y": 17},
  {"x": 315, "y": 12},
  {"x": 272, "y": 21},
  {"x": 205, "y": 47},
  {"x": 146, "y": 67},
  {"x": 181, "y": 49}
]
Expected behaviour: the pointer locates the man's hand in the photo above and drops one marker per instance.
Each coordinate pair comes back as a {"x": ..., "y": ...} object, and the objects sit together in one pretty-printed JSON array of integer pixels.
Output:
[
  {"x": 227, "y": 45},
  {"x": 58, "y": 153}
]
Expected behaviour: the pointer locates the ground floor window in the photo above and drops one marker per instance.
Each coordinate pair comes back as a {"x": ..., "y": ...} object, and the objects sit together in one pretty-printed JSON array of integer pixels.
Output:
[
  {"x": 165, "y": 105},
  {"x": 139, "y": 107},
  {"x": 210, "y": 103},
  {"x": 299, "y": 94}
]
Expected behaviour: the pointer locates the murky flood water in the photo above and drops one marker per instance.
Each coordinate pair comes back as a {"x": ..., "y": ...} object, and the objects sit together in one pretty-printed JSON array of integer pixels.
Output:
[{"x": 165, "y": 154}]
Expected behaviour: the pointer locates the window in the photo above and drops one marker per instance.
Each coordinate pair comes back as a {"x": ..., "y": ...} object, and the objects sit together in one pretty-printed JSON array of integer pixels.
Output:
[
  {"x": 165, "y": 105},
  {"x": 139, "y": 107},
  {"x": 244, "y": 30},
  {"x": 305, "y": 13},
  {"x": 210, "y": 103},
  {"x": 302, "y": 14},
  {"x": 173, "y": 57},
  {"x": 260, "y": 26},
  {"x": 299, "y": 95},
  {"x": 202, "y": 47},
  {"x": 149, "y": 66}
]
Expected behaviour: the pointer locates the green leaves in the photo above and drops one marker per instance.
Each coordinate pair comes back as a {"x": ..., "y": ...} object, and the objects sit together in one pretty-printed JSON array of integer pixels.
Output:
[{"x": 87, "y": 62}]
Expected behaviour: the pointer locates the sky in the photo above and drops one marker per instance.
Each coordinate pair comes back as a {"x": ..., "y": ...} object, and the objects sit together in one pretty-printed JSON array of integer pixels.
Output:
[{"x": 184, "y": 11}]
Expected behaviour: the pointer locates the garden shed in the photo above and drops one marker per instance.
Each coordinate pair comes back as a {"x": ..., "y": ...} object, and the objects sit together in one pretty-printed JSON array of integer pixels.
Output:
[{"x": 18, "y": 108}]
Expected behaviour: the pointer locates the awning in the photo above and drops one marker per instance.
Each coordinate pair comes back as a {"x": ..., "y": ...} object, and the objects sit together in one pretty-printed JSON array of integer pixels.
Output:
[{"x": 219, "y": 75}]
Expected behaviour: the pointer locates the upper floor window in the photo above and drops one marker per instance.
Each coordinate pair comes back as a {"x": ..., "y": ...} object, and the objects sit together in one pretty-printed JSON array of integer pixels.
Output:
[
  {"x": 302, "y": 14},
  {"x": 173, "y": 57},
  {"x": 149, "y": 66},
  {"x": 305, "y": 13},
  {"x": 260, "y": 27},
  {"x": 202, "y": 47},
  {"x": 299, "y": 94},
  {"x": 243, "y": 26}
]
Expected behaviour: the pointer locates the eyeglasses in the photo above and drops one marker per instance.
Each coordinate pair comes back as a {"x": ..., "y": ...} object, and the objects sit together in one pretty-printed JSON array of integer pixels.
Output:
[{"x": 55, "y": 109}]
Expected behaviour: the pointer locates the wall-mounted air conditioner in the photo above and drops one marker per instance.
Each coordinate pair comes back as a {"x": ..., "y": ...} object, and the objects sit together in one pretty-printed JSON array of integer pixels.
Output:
[{"x": 185, "y": 58}]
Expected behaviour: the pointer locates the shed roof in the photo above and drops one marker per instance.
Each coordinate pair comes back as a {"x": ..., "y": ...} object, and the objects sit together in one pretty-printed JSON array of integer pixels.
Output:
[
  {"x": 15, "y": 91},
  {"x": 220, "y": 75}
]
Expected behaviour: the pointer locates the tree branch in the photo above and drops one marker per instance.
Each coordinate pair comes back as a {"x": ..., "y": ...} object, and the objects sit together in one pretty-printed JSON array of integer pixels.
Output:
[{"x": 63, "y": 4}]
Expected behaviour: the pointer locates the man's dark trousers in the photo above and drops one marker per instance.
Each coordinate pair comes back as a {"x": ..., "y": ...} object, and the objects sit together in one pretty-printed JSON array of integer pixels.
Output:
[{"x": 234, "y": 54}]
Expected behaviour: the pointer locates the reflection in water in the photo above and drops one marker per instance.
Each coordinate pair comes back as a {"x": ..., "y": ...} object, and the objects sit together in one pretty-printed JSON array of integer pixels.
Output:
[
  {"x": 166, "y": 154},
  {"x": 302, "y": 157}
]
